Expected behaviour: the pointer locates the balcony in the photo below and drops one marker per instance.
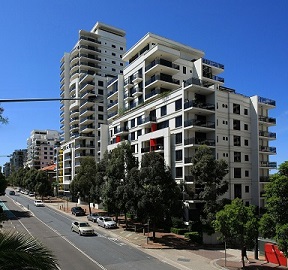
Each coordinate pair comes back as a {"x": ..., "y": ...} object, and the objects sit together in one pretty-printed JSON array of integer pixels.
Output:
[
  {"x": 199, "y": 123},
  {"x": 268, "y": 164},
  {"x": 264, "y": 179},
  {"x": 121, "y": 130},
  {"x": 128, "y": 83},
  {"x": 112, "y": 104},
  {"x": 201, "y": 83},
  {"x": 267, "y": 101},
  {"x": 87, "y": 111},
  {"x": 196, "y": 104},
  {"x": 146, "y": 120},
  {"x": 212, "y": 63},
  {"x": 268, "y": 120},
  {"x": 162, "y": 80},
  {"x": 157, "y": 148},
  {"x": 266, "y": 134},
  {"x": 199, "y": 141},
  {"x": 158, "y": 65},
  {"x": 128, "y": 96},
  {"x": 136, "y": 91},
  {"x": 267, "y": 149},
  {"x": 137, "y": 77}
]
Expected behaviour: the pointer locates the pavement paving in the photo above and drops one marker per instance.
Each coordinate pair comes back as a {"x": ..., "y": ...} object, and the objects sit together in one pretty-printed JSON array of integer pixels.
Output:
[{"x": 173, "y": 249}]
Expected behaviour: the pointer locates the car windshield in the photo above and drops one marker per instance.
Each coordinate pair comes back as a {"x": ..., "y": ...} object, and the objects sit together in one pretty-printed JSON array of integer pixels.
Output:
[
  {"x": 78, "y": 208},
  {"x": 94, "y": 215},
  {"x": 84, "y": 224},
  {"x": 108, "y": 219}
]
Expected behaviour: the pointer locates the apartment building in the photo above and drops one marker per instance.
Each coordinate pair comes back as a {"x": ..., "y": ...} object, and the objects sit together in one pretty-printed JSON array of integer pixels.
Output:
[
  {"x": 40, "y": 148},
  {"x": 18, "y": 158},
  {"x": 170, "y": 99},
  {"x": 95, "y": 59}
]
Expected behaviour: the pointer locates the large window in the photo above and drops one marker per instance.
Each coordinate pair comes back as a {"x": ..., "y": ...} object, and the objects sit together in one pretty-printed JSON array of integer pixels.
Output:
[
  {"x": 178, "y": 138},
  {"x": 236, "y": 124},
  {"x": 237, "y": 172},
  {"x": 178, "y": 104},
  {"x": 236, "y": 108},
  {"x": 179, "y": 173},
  {"x": 163, "y": 110},
  {"x": 178, "y": 155},
  {"x": 237, "y": 156},
  {"x": 237, "y": 140},
  {"x": 178, "y": 121}
]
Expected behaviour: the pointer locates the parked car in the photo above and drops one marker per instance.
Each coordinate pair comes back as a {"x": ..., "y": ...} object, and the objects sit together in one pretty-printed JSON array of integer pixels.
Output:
[
  {"x": 31, "y": 194},
  {"x": 38, "y": 203},
  {"x": 11, "y": 192},
  {"x": 93, "y": 217},
  {"x": 83, "y": 228},
  {"x": 106, "y": 222},
  {"x": 78, "y": 211}
]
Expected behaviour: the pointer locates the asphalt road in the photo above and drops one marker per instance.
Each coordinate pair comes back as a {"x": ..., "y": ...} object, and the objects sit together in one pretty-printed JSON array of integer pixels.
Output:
[{"x": 53, "y": 229}]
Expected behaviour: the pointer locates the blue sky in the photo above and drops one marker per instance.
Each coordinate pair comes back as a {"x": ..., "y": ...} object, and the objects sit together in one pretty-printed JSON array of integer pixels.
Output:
[{"x": 248, "y": 36}]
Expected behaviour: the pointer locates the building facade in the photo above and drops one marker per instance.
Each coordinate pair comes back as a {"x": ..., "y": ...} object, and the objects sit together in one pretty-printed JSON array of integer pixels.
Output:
[
  {"x": 95, "y": 59},
  {"x": 170, "y": 99},
  {"x": 40, "y": 148}
]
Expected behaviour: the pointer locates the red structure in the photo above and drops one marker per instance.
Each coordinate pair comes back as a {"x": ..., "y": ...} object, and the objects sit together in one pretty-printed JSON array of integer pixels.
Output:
[{"x": 274, "y": 255}]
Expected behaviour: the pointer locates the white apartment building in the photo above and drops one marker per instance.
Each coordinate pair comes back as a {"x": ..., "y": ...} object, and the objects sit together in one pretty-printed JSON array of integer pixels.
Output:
[
  {"x": 95, "y": 59},
  {"x": 171, "y": 100},
  {"x": 40, "y": 148}
]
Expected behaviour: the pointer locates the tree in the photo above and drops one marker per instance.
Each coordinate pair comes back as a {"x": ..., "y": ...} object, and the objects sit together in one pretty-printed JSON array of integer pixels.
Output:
[
  {"x": 238, "y": 224},
  {"x": 83, "y": 184},
  {"x": 20, "y": 251},
  {"x": 116, "y": 189},
  {"x": 3, "y": 183},
  {"x": 43, "y": 186},
  {"x": 159, "y": 191},
  {"x": 208, "y": 174},
  {"x": 3, "y": 120},
  {"x": 274, "y": 223},
  {"x": 29, "y": 181}
]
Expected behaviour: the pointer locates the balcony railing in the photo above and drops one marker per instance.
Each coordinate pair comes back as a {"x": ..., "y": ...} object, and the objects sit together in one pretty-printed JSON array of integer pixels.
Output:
[
  {"x": 200, "y": 141},
  {"x": 267, "y": 119},
  {"x": 200, "y": 123},
  {"x": 267, "y": 149},
  {"x": 267, "y": 134},
  {"x": 264, "y": 179},
  {"x": 268, "y": 164},
  {"x": 146, "y": 120},
  {"x": 267, "y": 101},
  {"x": 212, "y": 63},
  {"x": 196, "y": 81},
  {"x": 192, "y": 103},
  {"x": 162, "y": 62},
  {"x": 162, "y": 77}
]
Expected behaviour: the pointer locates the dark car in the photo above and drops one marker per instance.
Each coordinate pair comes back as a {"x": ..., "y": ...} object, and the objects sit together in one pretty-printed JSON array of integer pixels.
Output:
[
  {"x": 11, "y": 192},
  {"x": 78, "y": 211}
]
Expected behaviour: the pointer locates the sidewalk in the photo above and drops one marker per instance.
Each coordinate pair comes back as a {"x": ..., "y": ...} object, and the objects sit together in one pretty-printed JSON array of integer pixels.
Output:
[{"x": 175, "y": 249}]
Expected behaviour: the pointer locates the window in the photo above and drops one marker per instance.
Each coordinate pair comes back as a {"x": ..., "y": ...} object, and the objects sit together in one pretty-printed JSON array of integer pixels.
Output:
[
  {"x": 132, "y": 122},
  {"x": 237, "y": 140},
  {"x": 246, "y": 142},
  {"x": 245, "y": 126},
  {"x": 114, "y": 54},
  {"x": 236, "y": 124},
  {"x": 132, "y": 136},
  {"x": 236, "y": 108},
  {"x": 184, "y": 70},
  {"x": 139, "y": 133},
  {"x": 100, "y": 83},
  {"x": 113, "y": 46},
  {"x": 100, "y": 108},
  {"x": 237, "y": 156},
  {"x": 247, "y": 189},
  {"x": 178, "y": 155},
  {"x": 100, "y": 117},
  {"x": 246, "y": 173},
  {"x": 113, "y": 62},
  {"x": 246, "y": 157},
  {"x": 178, "y": 121},
  {"x": 178, "y": 138},
  {"x": 100, "y": 92},
  {"x": 245, "y": 111},
  {"x": 121, "y": 48},
  {"x": 237, "y": 172},
  {"x": 178, "y": 104},
  {"x": 163, "y": 110},
  {"x": 139, "y": 120},
  {"x": 179, "y": 172},
  {"x": 163, "y": 124},
  {"x": 113, "y": 69},
  {"x": 237, "y": 191}
]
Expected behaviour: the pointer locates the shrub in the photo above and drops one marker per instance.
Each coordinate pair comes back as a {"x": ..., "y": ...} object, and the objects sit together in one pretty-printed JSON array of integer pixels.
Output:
[
  {"x": 178, "y": 231},
  {"x": 177, "y": 222},
  {"x": 194, "y": 237}
]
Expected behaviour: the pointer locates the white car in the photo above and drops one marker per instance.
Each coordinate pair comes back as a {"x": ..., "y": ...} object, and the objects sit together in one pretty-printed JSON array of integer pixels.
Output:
[
  {"x": 38, "y": 203},
  {"x": 106, "y": 222},
  {"x": 83, "y": 228}
]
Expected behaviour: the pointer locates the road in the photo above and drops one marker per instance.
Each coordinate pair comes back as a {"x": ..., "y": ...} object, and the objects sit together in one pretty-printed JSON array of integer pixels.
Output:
[{"x": 53, "y": 229}]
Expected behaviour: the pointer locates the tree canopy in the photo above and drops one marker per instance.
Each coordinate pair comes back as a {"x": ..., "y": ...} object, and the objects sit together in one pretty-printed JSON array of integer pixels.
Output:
[
  {"x": 237, "y": 223},
  {"x": 274, "y": 223},
  {"x": 3, "y": 120},
  {"x": 208, "y": 174}
]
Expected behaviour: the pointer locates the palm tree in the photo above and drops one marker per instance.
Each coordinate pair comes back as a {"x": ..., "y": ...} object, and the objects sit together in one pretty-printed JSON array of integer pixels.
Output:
[{"x": 22, "y": 251}]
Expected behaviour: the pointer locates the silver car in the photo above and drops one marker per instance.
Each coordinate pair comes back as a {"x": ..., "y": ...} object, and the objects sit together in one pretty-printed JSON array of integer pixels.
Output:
[
  {"x": 83, "y": 228},
  {"x": 93, "y": 217},
  {"x": 106, "y": 222}
]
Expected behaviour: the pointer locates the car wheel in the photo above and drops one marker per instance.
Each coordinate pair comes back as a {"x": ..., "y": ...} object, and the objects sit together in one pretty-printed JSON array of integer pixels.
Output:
[{"x": 80, "y": 233}]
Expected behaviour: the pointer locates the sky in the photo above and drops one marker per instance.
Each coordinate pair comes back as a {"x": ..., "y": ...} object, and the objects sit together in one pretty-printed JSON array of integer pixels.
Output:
[{"x": 250, "y": 37}]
